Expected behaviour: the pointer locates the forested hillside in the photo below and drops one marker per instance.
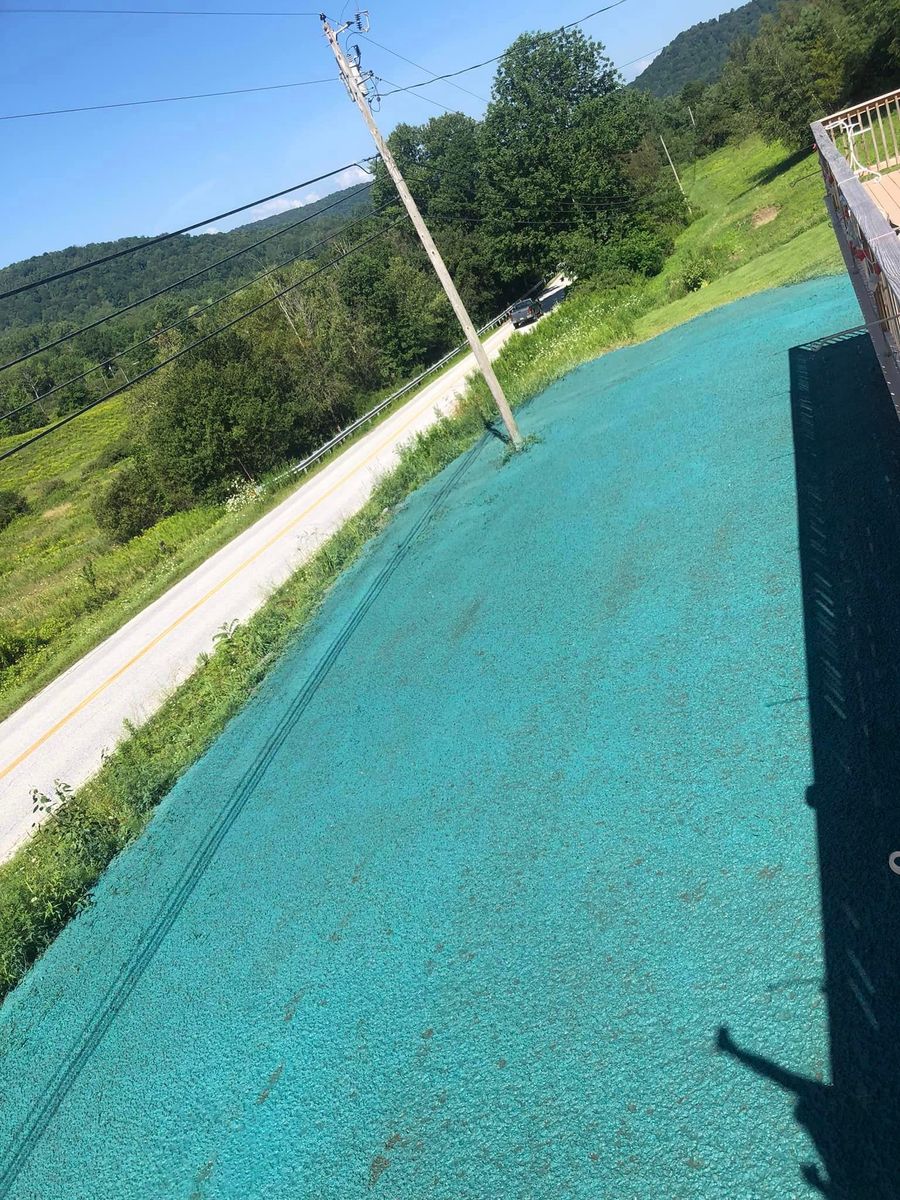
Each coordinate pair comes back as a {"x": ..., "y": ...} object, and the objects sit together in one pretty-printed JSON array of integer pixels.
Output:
[
  {"x": 699, "y": 53},
  {"x": 571, "y": 177},
  {"x": 810, "y": 58},
  {"x": 86, "y": 296}
]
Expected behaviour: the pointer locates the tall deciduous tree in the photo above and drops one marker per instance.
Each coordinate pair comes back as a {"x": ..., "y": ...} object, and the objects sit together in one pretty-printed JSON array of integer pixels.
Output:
[
  {"x": 554, "y": 146},
  {"x": 442, "y": 163}
]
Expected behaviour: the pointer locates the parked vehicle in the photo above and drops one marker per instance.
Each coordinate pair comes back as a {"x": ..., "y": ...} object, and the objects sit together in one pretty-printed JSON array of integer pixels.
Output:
[{"x": 524, "y": 312}]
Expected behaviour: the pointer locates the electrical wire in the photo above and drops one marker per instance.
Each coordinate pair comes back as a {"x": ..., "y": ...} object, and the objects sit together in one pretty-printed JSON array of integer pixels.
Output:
[
  {"x": 164, "y": 237},
  {"x": 487, "y": 62},
  {"x": 191, "y": 316},
  {"x": 595, "y": 13},
  {"x": 191, "y": 346},
  {"x": 640, "y": 57},
  {"x": 430, "y": 99},
  {"x": 419, "y": 67},
  {"x": 67, "y": 337},
  {"x": 151, "y": 12},
  {"x": 272, "y": 87},
  {"x": 449, "y": 75}
]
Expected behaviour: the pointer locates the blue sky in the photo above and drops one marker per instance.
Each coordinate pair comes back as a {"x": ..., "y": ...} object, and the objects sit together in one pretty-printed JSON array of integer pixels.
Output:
[{"x": 95, "y": 176}]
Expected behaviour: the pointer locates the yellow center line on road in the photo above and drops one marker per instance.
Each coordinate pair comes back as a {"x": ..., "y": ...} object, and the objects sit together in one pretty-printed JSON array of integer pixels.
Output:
[{"x": 116, "y": 675}]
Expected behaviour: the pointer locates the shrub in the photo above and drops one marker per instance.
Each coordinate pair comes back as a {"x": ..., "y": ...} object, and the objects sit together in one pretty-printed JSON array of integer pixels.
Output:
[
  {"x": 52, "y": 486},
  {"x": 15, "y": 646},
  {"x": 109, "y": 456},
  {"x": 644, "y": 251},
  {"x": 12, "y": 505},
  {"x": 695, "y": 272},
  {"x": 703, "y": 266},
  {"x": 129, "y": 505}
]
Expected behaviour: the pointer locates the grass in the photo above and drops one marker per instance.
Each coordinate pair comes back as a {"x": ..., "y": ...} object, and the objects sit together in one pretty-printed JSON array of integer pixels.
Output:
[
  {"x": 50, "y": 878},
  {"x": 64, "y": 586},
  {"x": 736, "y": 255}
]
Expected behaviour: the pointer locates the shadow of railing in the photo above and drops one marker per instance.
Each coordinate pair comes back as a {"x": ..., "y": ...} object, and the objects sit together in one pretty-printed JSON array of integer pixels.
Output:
[{"x": 847, "y": 447}]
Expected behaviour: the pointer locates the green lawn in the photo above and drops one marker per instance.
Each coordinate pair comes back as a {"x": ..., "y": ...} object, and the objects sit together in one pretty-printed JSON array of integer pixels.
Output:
[{"x": 733, "y": 192}]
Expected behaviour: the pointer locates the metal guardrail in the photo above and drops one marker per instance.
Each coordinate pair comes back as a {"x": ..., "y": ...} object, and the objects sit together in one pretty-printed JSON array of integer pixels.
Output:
[
  {"x": 870, "y": 247},
  {"x": 343, "y": 434}
]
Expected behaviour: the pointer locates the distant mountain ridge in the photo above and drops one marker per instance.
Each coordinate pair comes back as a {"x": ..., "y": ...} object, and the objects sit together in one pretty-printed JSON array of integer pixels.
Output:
[
  {"x": 91, "y": 294},
  {"x": 700, "y": 53}
]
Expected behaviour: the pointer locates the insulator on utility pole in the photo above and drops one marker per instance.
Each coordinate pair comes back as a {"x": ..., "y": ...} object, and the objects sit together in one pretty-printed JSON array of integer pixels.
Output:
[{"x": 356, "y": 86}]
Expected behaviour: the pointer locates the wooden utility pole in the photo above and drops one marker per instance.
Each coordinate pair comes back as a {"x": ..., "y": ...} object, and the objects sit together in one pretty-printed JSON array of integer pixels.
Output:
[
  {"x": 674, "y": 172},
  {"x": 356, "y": 86}
]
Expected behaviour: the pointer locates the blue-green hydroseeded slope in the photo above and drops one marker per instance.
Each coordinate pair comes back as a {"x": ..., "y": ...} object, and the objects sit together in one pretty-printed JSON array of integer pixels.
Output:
[{"x": 455, "y": 907}]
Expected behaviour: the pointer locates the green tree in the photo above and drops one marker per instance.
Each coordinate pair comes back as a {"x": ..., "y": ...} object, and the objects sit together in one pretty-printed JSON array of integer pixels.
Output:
[
  {"x": 130, "y": 504},
  {"x": 557, "y": 139},
  {"x": 795, "y": 71},
  {"x": 441, "y": 162}
]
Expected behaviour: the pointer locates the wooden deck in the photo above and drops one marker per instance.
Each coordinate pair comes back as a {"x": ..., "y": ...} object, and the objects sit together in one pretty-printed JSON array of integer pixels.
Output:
[{"x": 886, "y": 194}]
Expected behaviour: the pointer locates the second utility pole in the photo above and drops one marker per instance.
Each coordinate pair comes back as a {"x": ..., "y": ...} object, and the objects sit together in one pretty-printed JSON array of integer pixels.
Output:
[{"x": 352, "y": 77}]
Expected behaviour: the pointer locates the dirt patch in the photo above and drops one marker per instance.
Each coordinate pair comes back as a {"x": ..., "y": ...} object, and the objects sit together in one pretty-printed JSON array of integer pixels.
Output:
[
  {"x": 763, "y": 216},
  {"x": 49, "y": 513}
]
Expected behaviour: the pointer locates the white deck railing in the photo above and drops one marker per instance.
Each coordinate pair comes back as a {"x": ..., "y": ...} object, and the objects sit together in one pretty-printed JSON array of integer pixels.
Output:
[
  {"x": 857, "y": 142},
  {"x": 868, "y": 134}
]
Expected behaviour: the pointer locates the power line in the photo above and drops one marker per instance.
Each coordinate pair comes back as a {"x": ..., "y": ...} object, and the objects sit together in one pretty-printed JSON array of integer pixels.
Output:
[
  {"x": 67, "y": 337},
  {"x": 151, "y": 12},
  {"x": 595, "y": 13},
  {"x": 646, "y": 54},
  {"x": 430, "y": 99},
  {"x": 450, "y": 75},
  {"x": 191, "y": 346},
  {"x": 164, "y": 237},
  {"x": 196, "y": 312},
  {"x": 272, "y": 87},
  {"x": 496, "y": 58},
  {"x": 419, "y": 67},
  {"x": 356, "y": 86},
  {"x": 55, "y": 112}
]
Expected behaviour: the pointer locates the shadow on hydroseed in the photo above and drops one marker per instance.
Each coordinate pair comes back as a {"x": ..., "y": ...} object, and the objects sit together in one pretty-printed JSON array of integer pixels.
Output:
[{"x": 847, "y": 449}]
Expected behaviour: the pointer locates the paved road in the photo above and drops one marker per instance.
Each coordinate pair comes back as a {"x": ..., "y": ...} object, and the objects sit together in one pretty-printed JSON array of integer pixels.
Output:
[{"x": 63, "y": 732}]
